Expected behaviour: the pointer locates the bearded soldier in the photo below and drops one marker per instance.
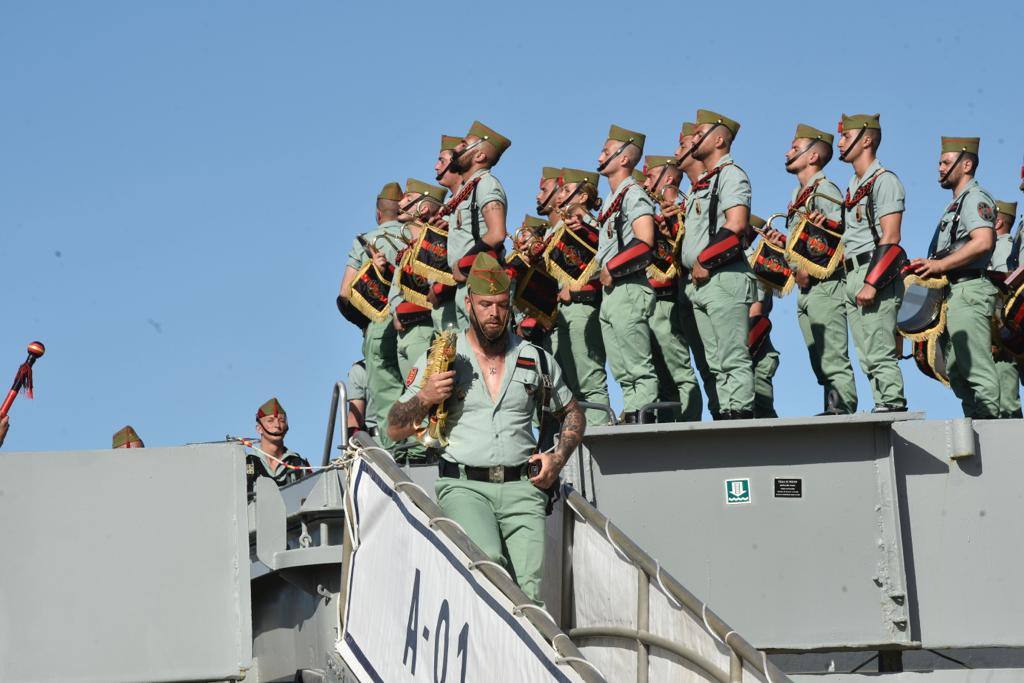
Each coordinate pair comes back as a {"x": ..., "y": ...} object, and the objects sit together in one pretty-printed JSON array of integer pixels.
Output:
[
  {"x": 676, "y": 380},
  {"x": 497, "y": 386},
  {"x": 873, "y": 257},
  {"x": 717, "y": 214},
  {"x": 961, "y": 249},
  {"x": 821, "y": 303},
  {"x": 1007, "y": 368},
  {"x": 380, "y": 341},
  {"x": 626, "y": 239},
  {"x": 577, "y": 342},
  {"x": 477, "y": 223},
  {"x": 693, "y": 170}
]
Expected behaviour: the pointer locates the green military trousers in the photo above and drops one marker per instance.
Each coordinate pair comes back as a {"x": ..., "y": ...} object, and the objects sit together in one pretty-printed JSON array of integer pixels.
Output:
[
  {"x": 413, "y": 342},
  {"x": 721, "y": 307},
  {"x": 1009, "y": 386},
  {"x": 579, "y": 350},
  {"x": 874, "y": 337},
  {"x": 676, "y": 378},
  {"x": 688, "y": 324},
  {"x": 821, "y": 314},
  {"x": 505, "y": 520},
  {"x": 383, "y": 381},
  {"x": 764, "y": 372},
  {"x": 625, "y": 312},
  {"x": 967, "y": 347}
]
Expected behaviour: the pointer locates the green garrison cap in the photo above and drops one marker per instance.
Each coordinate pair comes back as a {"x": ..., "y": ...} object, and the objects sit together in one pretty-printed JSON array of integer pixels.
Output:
[
  {"x": 534, "y": 224},
  {"x": 657, "y": 161},
  {"x": 487, "y": 277},
  {"x": 860, "y": 121},
  {"x": 575, "y": 175},
  {"x": 1008, "y": 208},
  {"x": 391, "y": 191},
  {"x": 961, "y": 145},
  {"x": 708, "y": 116},
  {"x": 639, "y": 176},
  {"x": 125, "y": 436},
  {"x": 419, "y": 187},
  {"x": 623, "y": 135},
  {"x": 756, "y": 221},
  {"x": 550, "y": 173},
  {"x": 499, "y": 141},
  {"x": 450, "y": 142},
  {"x": 271, "y": 407},
  {"x": 689, "y": 128},
  {"x": 812, "y": 133}
]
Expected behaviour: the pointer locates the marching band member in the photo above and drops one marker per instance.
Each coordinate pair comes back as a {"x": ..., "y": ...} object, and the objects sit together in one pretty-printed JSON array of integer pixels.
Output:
[{"x": 1007, "y": 368}]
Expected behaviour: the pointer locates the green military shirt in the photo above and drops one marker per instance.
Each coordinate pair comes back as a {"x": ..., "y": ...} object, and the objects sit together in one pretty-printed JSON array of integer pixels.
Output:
[
  {"x": 977, "y": 210},
  {"x": 482, "y": 432},
  {"x": 1001, "y": 254},
  {"x": 460, "y": 222},
  {"x": 635, "y": 203},
  {"x": 888, "y": 197},
  {"x": 358, "y": 391},
  {"x": 357, "y": 255},
  {"x": 733, "y": 187},
  {"x": 821, "y": 185}
]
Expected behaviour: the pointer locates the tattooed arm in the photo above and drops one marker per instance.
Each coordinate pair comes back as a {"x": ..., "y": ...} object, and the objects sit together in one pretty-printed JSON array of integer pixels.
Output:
[
  {"x": 494, "y": 218},
  {"x": 573, "y": 425},
  {"x": 404, "y": 419}
]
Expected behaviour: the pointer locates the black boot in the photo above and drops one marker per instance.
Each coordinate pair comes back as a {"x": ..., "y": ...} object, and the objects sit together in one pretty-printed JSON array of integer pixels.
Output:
[
  {"x": 889, "y": 409},
  {"x": 743, "y": 415},
  {"x": 630, "y": 417}
]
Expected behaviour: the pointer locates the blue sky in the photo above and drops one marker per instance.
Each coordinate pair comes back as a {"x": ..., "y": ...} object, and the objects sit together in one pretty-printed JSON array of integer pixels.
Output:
[{"x": 180, "y": 181}]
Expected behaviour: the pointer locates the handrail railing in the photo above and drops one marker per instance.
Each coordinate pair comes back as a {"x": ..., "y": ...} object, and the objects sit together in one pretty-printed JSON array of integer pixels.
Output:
[
  {"x": 657, "y": 405},
  {"x": 741, "y": 650},
  {"x": 540, "y": 619},
  {"x": 588, "y": 405},
  {"x": 339, "y": 396}
]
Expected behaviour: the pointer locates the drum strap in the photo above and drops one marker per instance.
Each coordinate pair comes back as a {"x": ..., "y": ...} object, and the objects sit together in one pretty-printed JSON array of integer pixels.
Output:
[
  {"x": 953, "y": 229},
  {"x": 474, "y": 219},
  {"x": 1013, "y": 260}
]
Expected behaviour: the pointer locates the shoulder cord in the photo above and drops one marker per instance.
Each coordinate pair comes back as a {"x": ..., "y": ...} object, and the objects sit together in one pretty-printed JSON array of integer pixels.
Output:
[{"x": 474, "y": 218}]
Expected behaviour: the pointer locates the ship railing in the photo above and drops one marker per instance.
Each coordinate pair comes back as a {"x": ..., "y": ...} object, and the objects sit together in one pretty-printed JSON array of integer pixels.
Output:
[
  {"x": 745, "y": 662},
  {"x": 339, "y": 403}
]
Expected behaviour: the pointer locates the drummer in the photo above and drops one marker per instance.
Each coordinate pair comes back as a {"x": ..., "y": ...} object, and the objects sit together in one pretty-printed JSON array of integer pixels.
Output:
[
  {"x": 961, "y": 249},
  {"x": 1006, "y": 365}
]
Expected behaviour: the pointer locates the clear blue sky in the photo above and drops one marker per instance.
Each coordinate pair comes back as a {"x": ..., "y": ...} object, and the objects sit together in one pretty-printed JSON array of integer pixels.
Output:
[{"x": 180, "y": 181}]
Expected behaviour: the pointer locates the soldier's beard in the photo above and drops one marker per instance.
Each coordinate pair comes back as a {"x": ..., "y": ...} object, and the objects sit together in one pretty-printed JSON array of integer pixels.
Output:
[{"x": 489, "y": 344}]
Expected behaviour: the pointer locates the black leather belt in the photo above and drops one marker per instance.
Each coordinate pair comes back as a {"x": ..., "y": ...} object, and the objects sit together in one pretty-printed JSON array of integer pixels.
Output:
[
  {"x": 665, "y": 293},
  {"x": 496, "y": 474},
  {"x": 963, "y": 275},
  {"x": 854, "y": 262},
  {"x": 591, "y": 297}
]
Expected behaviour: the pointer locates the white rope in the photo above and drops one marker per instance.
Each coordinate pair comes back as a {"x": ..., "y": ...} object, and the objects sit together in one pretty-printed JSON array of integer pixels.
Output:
[
  {"x": 400, "y": 484},
  {"x": 618, "y": 550},
  {"x": 707, "y": 625},
  {"x": 557, "y": 636},
  {"x": 579, "y": 660},
  {"x": 671, "y": 598},
  {"x": 518, "y": 610}
]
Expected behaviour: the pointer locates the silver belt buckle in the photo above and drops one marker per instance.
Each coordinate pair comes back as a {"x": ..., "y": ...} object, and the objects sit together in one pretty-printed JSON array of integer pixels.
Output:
[{"x": 496, "y": 474}]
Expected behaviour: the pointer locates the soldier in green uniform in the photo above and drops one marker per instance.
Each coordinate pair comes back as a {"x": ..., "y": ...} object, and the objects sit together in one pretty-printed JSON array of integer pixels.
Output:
[
  {"x": 380, "y": 341},
  {"x": 693, "y": 170},
  {"x": 494, "y": 391},
  {"x": 127, "y": 438},
  {"x": 528, "y": 240},
  {"x": 444, "y": 171},
  {"x": 625, "y": 243},
  {"x": 478, "y": 222},
  {"x": 547, "y": 196},
  {"x": 872, "y": 259},
  {"x": 821, "y": 303},
  {"x": 279, "y": 461},
  {"x": 717, "y": 215},
  {"x": 412, "y": 320},
  {"x": 361, "y": 413},
  {"x": 1006, "y": 365},
  {"x": 961, "y": 250},
  {"x": 577, "y": 343},
  {"x": 677, "y": 381},
  {"x": 763, "y": 354}
]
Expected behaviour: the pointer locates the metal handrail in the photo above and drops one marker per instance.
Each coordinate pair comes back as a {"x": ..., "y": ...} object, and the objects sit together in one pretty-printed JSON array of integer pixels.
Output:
[
  {"x": 588, "y": 405},
  {"x": 540, "y": 619},
  {"x": 649, "y": 638},
  {"x": 648, "y": 565},
  {"x": 339, "y": 396}
]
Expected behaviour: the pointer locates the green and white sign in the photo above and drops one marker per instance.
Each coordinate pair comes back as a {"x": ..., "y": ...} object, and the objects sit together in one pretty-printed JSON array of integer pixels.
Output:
[{"x": 737, "y": 491}]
